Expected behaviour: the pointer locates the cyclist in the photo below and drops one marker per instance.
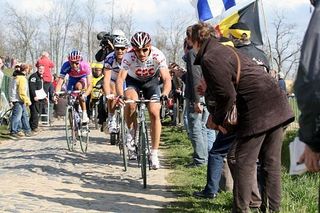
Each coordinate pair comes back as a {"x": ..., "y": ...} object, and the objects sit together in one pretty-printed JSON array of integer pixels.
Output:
[
  {"x": 140, "y": 68},
  {"x": 80, "y": 78},
  {"x": 112, "y": 67}
]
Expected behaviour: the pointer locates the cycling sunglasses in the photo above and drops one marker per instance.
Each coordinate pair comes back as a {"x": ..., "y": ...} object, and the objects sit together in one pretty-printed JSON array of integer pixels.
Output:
[
  {"x": 143, "y": 50},
  {"x": 120, "y": 48},
  {"x": 75, "y": 62}
]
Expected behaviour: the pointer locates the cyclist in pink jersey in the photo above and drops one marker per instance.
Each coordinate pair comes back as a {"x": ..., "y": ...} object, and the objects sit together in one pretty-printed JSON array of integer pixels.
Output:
[
  {"x": 80, "y": 78},
  {"x": 141, "y": 68}
]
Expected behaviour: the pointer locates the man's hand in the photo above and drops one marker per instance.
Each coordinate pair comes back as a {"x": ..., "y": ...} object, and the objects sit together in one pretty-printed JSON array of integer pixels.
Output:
[
  {"x": 35, "y": 98},
  {"x": 198, "y": 108},
  {"x": 212, "y": 125},
  {"x": 120, "y": 100},
  {"x": 311, "y": 159},
  {"x": 83, "y": 97},
  {"x": 110, "y": 97},
  {"x": 202, "y": 87},
  {"x": 163, "y": 97}
]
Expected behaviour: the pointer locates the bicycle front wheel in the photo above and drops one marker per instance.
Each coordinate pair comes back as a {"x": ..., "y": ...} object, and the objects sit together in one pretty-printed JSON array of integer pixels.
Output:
[
  {"x": 123, "y": 140},
  {"x": 143, "y": 152},
  {"x": 84, "y": 137},
  {"x": 70, "y": 128}
]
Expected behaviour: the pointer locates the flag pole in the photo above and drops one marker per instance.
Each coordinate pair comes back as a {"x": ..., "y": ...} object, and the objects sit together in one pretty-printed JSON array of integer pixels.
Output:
[{"x": 267, "y": 34}]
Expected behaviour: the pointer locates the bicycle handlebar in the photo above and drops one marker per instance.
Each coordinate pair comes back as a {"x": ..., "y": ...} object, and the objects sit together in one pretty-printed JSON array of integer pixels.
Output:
[
  {"x": 68, "y": 92},
  {"x": 141, "y": 101}
]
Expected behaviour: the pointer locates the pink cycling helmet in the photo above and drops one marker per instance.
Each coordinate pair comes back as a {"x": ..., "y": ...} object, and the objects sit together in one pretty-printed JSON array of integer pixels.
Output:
[
  {"x": 75, "y": 56},
  {"x": 140, "y": 39}
]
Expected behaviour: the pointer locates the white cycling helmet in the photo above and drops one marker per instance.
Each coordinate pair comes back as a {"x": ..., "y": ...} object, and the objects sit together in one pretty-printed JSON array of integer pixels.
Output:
[
  {"x": 118, "y": 32},
  {"x": 120, "y": 41}
]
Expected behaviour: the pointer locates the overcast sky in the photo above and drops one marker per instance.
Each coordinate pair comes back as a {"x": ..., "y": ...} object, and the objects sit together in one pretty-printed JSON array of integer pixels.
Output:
[{"x": 147, "y": 13}]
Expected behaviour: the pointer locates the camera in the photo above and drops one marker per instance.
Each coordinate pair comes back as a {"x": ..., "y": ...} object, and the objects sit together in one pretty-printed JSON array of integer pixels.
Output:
[{"x": 105, "y": 39}]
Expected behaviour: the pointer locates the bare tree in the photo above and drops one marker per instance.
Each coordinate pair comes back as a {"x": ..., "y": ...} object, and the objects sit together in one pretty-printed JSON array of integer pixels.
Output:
[
  {"x": 23, "y": 29},
  {"x": 90, "y": 14},
  {"x": 285, "y": 47},
  {"x": 170, "y": 38}
]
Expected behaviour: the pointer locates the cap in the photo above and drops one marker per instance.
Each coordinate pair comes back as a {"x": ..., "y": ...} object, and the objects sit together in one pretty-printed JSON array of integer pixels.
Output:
[{"x": 238, "y": 29}]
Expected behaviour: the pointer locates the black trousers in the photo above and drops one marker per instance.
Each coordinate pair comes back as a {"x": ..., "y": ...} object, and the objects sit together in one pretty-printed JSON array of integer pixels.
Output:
[{"x": 35, "y": 111}]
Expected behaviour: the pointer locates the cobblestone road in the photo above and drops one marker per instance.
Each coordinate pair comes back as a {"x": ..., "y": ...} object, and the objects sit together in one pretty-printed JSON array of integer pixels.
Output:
[{"x": 38, "y": 174}]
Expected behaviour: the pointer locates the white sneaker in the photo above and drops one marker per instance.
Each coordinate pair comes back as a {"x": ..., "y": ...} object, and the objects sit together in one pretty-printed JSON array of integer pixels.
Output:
[
  {"x": 130, "y": 142},
  {"x": 112, "y": 126},
  {"x": 85, "y": 118},
  {"x": 132, "y": 155},
  {"x": 155, "y": 164}
]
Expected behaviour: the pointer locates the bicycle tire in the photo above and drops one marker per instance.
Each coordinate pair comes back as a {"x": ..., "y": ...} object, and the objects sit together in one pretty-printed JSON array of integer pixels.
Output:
[
  {"x": 84, "y": 137},
  {"x": 148, "y": 147},
  {"x": 96, "y": 125},
  {"x": 70, "y": 128},
  {"x": 113, "y": 138},
  {"x": 123, "y": 140},
  {"x": 143, "y": 153}
]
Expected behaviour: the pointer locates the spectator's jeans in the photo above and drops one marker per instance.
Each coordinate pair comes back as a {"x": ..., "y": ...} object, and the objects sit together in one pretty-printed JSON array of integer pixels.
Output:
[
  {"x": 217, "y": 153},
  {"x": 197, "y": 134},
  {"x": 211, "y": 134},
  {"x": 19, "y": 117}
]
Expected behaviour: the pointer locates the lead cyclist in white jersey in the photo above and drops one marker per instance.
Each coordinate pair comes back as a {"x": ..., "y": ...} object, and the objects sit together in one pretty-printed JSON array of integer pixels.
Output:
[{"x": 140, "y": 69}]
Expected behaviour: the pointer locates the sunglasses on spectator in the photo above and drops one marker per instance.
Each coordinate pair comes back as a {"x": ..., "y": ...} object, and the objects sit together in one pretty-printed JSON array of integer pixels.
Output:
[
  {"x": 75, "y": 62},
  {"x": 120, "y": 48},
  {"x": 143, "y": 50}
]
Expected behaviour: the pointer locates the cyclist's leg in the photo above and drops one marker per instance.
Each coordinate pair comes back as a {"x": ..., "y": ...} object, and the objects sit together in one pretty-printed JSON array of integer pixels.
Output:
[
  {"x": 112, "y": 126},
  {"x": 130, "y": 109},
  {"x": 132, "y": 88},
  {"x": 79, "y": 85},
  {"x": 153, "y": 92}
]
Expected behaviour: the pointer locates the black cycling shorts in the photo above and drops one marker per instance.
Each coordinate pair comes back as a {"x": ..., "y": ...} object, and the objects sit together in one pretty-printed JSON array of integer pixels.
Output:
[{"x": 150, "y": 88}]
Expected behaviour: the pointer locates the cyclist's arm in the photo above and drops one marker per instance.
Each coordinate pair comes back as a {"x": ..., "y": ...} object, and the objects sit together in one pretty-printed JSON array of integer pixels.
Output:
[
  {"x": 106, "y": 81},
  {"x": 120, "y": 80},
  {"x": 166, "y": 78},
  {"x": 89, "y": 86},
  {"x": 59, "y": 84}
]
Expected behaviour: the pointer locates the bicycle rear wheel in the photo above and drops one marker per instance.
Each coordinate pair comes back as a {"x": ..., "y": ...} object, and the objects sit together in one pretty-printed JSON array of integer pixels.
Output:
[
  {"x": 123, "y": 140},
  {"x": 143, "y": 153},
  {"x": 84, "y": 137},
  {"x": 70, "y": 128}
]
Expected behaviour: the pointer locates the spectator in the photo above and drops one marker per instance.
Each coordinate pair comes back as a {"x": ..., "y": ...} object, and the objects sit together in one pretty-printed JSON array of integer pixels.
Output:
[
  {"x": 47, "y": 77},
  {"x": 307, "y": 90},
  {"x": 20, "y": 100},
  {"x": 258, "y": 136},
  {"x": 37, "y": 96},
  {"x": 48, "y": 65},
  {"x": 240, "y": 35},
  {"x": 197, "y": 113}
]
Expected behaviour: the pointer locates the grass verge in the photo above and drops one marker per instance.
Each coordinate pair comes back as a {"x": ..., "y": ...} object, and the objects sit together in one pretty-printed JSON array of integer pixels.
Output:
[{"x": 299, "y": 193}]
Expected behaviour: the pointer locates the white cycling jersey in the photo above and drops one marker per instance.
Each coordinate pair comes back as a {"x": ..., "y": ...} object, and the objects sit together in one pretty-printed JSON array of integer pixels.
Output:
[
  {"x": 111, "y": 63},
  {"x": 143, "y": 71}
]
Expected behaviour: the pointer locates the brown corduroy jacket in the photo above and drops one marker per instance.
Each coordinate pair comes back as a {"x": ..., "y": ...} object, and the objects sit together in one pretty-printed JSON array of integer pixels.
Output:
[{"x": 261, "y": 103}]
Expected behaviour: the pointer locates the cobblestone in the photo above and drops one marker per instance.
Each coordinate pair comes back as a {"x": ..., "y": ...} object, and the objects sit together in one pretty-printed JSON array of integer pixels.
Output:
[{"x": 39, "y": 174}]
